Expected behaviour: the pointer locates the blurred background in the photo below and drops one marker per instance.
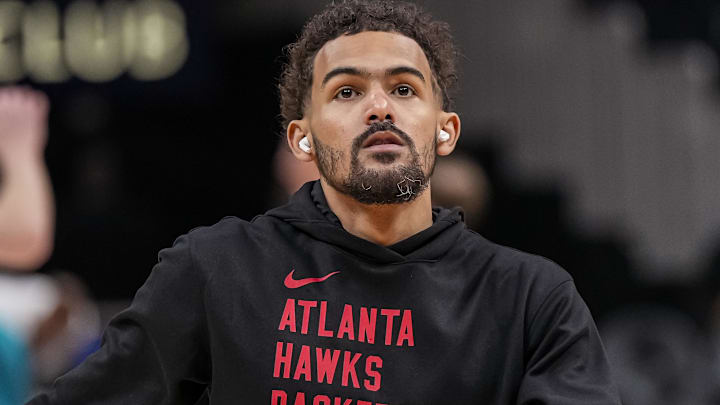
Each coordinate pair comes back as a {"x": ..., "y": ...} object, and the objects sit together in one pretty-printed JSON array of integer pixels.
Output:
[{"x": 591, "y": 135}]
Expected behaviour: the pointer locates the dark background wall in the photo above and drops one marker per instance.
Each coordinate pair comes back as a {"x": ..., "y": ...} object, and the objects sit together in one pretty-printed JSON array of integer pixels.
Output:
[
  {"x": 545, "y": 110},
  {"x": 135, "y": 163}
]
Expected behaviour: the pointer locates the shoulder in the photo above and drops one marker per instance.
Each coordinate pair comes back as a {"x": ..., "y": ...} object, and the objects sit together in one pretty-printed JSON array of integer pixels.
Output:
[
  {"x": 526, "y": 280},
  {"x": 228, "y": 226},
  {"x": 229, "y": 239},
  {"x": 228, "y": 231},
  {"x": 207, "y": 241},
  {"x": 511, "y": 262}
]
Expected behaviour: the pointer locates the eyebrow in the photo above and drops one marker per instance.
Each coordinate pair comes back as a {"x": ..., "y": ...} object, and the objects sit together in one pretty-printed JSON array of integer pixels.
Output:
[{"x": 347, "y": 70}]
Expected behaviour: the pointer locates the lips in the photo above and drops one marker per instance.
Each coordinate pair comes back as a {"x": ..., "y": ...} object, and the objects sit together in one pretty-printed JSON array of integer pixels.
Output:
[{"x": 378, "y": 139}]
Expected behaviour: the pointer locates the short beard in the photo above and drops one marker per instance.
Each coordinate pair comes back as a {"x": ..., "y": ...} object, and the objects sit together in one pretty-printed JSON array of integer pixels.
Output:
[{"x": 396, "y": 185}]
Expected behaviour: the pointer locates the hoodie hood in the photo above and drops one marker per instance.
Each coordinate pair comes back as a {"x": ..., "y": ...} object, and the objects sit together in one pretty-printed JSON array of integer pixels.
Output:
[{"x": 309, "y": 213}]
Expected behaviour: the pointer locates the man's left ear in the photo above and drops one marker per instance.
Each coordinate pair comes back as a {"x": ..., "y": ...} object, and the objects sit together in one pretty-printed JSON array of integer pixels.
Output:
[{"x": 449, "y": 123}]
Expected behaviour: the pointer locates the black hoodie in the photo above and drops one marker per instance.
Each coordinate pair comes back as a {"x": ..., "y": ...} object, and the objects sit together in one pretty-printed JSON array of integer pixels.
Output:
[{"x": 291, "y": 309}]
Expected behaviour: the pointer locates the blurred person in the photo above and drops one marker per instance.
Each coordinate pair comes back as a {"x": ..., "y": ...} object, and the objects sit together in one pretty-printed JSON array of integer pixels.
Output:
[
  {"x": 357, "y": 291},
  {"x": 711, "y": 284},
  {"x": 50, "y": 324},
  {"x": 460, "y": 181},
  {"x": 68, "y": 334},
  {"x": 659, "y": 356},
  {"x": 14, "y": 371},
  {"x": 26, "y": 201},
  {"x": 26, "y": 303},
  {"x": 26, "y": 233}
]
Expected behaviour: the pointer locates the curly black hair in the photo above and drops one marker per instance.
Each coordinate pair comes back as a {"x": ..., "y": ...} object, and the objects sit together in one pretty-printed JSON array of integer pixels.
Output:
[{"x": 348, "y": 17}]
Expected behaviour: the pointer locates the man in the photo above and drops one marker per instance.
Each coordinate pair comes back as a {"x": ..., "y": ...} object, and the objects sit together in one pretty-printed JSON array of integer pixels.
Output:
[{"x": 357, "y": 291}]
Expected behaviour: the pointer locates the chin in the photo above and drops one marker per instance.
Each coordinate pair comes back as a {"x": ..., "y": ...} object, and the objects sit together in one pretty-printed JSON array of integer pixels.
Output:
[{"x": 385, "y": 158}]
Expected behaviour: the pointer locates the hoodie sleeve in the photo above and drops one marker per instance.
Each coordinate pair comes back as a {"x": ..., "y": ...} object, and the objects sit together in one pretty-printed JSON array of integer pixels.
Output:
[
  {"x": 565, "y": 360},
  {"x": 154, "y": 352}
]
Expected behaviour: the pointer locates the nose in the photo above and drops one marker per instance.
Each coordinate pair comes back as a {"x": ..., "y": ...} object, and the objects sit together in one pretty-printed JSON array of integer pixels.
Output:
[{"x": 379, "y": 107}]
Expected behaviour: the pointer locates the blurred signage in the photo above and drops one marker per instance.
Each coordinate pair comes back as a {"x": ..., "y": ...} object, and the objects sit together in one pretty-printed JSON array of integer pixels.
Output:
[{"x": 95, "y": 42}]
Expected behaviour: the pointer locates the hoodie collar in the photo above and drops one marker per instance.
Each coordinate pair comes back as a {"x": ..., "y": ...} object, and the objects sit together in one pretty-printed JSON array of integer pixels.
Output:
[{"x": 308, "y": 211}]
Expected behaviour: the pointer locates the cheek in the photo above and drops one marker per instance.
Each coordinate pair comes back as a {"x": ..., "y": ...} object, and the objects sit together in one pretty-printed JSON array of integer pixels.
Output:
[
  {"x": 419, "y": 117},
  {"x": 425, "y": 141},
  {"x": 334, "y": 132},
  {"x": 424, "y": 133}
]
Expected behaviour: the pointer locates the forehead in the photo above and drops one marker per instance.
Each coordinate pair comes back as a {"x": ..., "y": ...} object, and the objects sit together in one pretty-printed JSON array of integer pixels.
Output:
[{"x": 372, "y": 50}]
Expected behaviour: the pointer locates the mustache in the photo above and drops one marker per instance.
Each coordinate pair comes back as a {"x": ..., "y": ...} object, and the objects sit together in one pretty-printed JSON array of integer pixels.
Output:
[{"x": 382, "y": 126}]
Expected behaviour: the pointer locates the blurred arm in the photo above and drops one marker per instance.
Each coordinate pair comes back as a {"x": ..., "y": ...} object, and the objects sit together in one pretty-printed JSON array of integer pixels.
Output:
[{"x": 26, "y": 200}]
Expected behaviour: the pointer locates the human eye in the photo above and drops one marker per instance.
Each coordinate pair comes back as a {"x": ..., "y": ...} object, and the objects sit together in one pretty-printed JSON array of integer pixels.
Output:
[
  {"x": 404, "y": 91},
  {"x": 346, "y": 93}
]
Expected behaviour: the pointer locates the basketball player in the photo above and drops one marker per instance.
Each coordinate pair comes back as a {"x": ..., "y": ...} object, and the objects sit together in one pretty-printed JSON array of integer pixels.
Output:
[{"x": 357, "y": 292}]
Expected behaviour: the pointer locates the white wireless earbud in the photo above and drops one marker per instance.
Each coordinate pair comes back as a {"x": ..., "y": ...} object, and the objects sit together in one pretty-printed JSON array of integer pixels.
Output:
[
  {"x": 304, "y": 144},
  {"x": 443, "y": 136}
]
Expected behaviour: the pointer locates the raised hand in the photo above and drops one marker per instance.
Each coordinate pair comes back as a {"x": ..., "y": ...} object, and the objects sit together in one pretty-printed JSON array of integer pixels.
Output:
[
  {"x": 26, "y": 200},
  {"x": 23, "y": 122}
]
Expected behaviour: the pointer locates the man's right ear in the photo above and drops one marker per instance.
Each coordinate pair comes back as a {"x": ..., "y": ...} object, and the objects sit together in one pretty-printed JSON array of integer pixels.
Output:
[{"x": 299, "y": 140}]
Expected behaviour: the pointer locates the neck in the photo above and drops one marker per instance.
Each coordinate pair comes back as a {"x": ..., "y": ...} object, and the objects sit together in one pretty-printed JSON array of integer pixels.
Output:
[{"x": 384, "y": 224}]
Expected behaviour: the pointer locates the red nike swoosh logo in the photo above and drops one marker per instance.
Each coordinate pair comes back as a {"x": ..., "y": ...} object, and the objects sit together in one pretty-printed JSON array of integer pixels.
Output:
[{"x": 290, "y": 282}]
